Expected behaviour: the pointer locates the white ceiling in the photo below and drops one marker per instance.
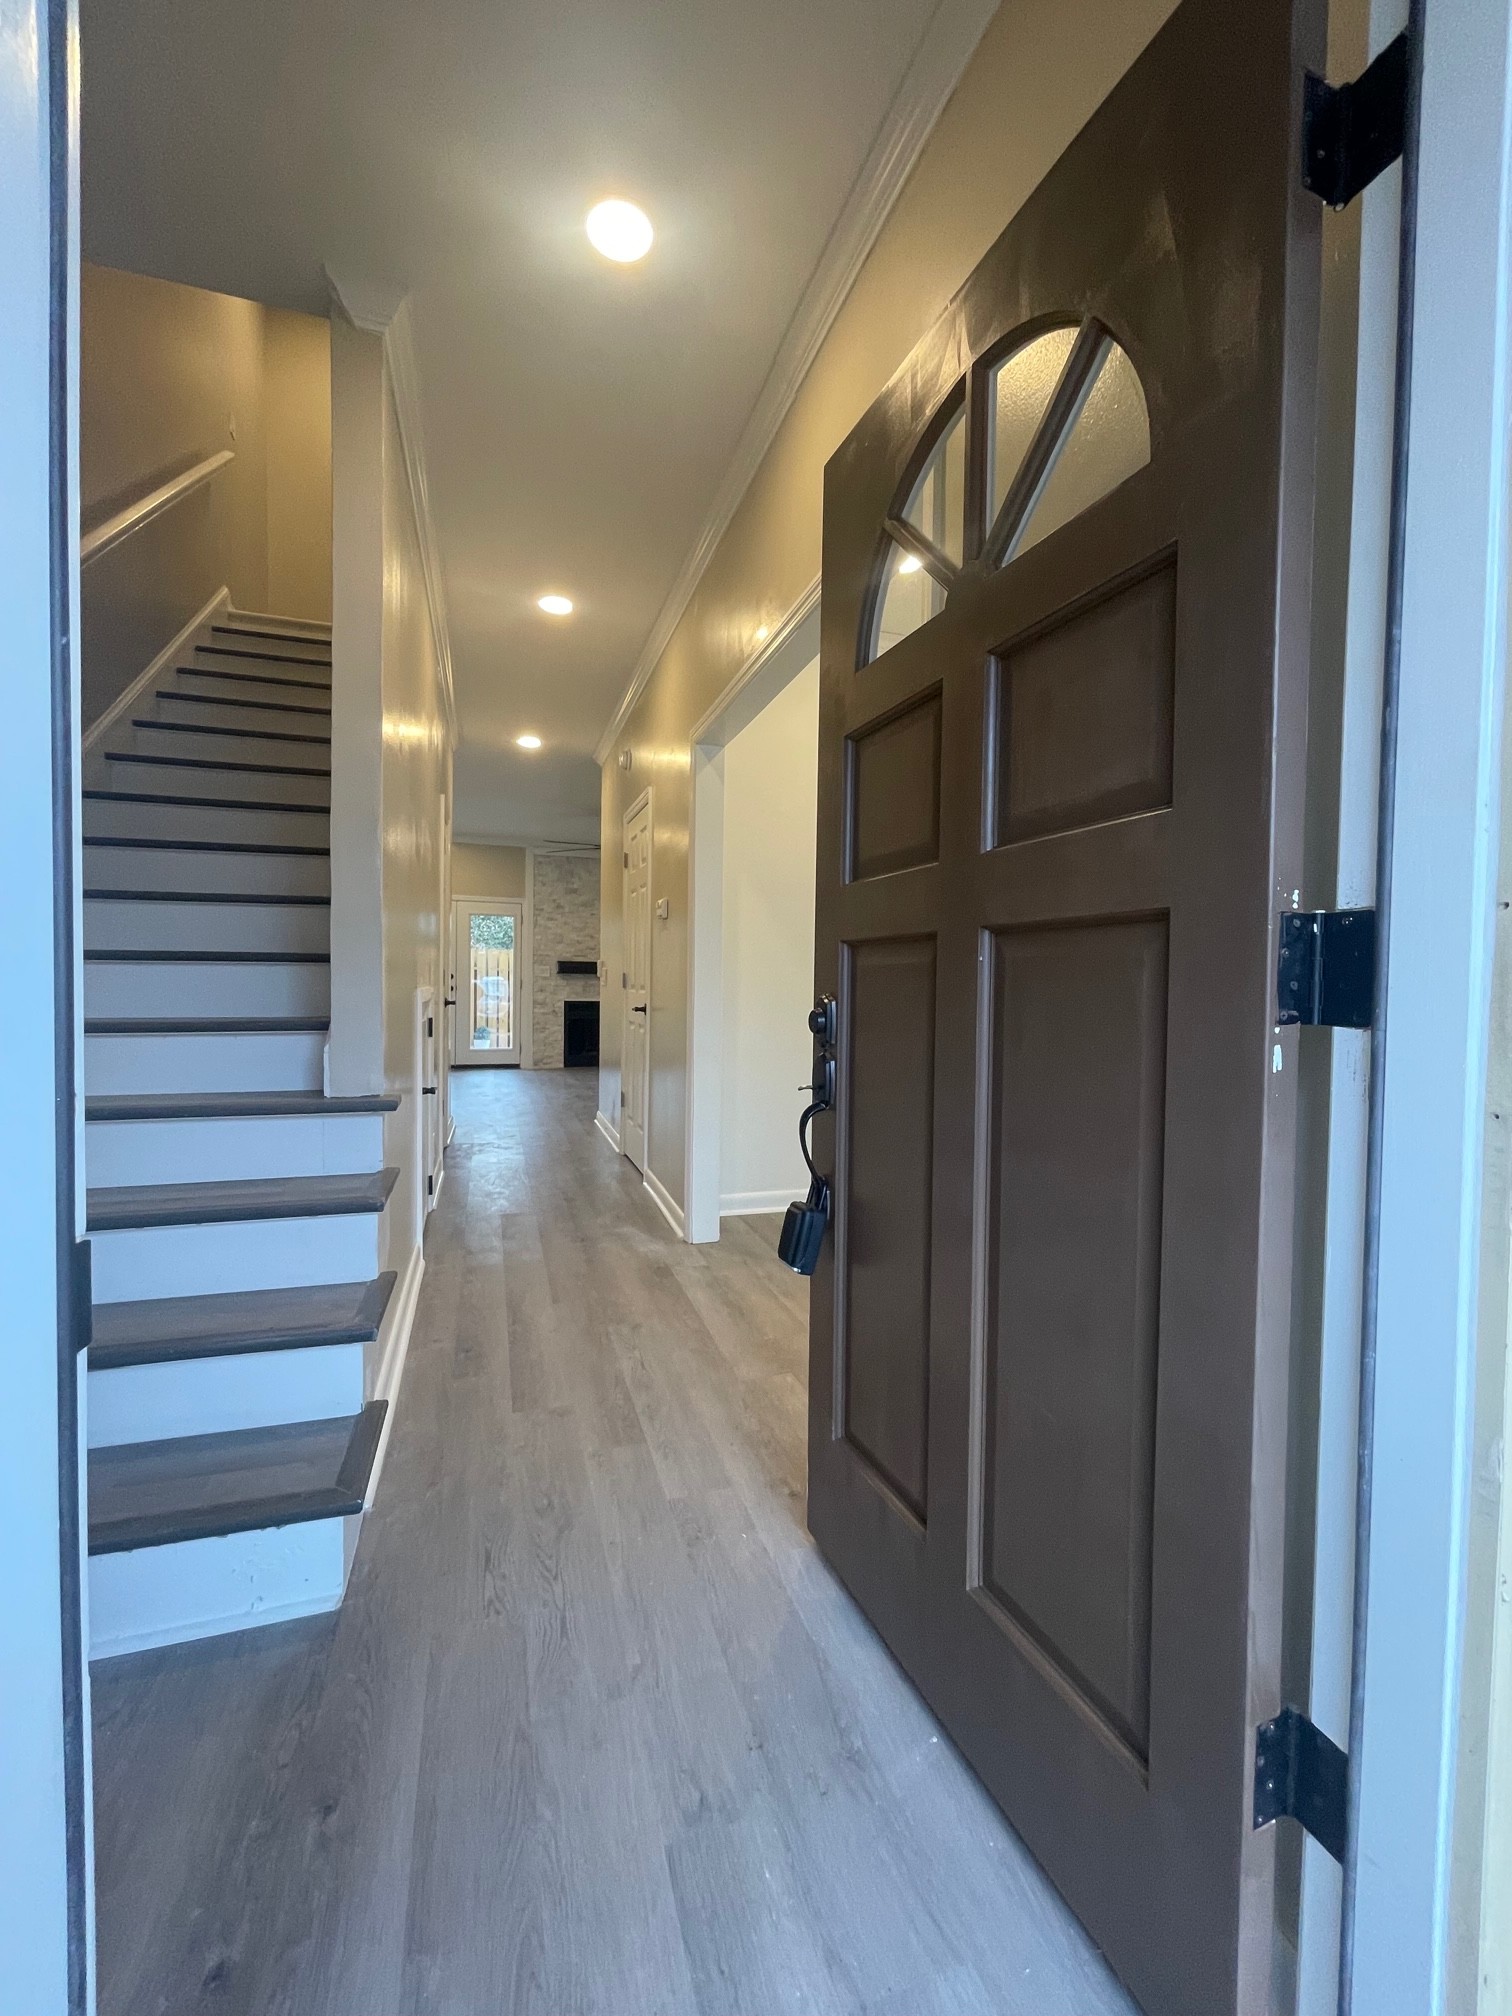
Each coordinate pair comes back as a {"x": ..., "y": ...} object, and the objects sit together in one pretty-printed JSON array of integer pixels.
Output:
[{"x": 578, "y": 416}]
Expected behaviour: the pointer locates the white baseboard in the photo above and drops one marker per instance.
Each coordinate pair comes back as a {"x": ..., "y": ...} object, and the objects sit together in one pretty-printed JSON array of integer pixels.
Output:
[
  {"x": 607, "y": 1128},
  {"x": 163, "y": 662},
  {"x": 756, "y": 1203},
  {"x": 666, "y": 1203},
  {"x": 400, "y": 1324}
]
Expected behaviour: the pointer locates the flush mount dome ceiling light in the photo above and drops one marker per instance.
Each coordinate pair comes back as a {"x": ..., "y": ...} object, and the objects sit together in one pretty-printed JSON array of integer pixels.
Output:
[
  {"x": 528, "y": 741},
  {"x": 555, "y": 605},
  {"x": 621, "y": 231}
]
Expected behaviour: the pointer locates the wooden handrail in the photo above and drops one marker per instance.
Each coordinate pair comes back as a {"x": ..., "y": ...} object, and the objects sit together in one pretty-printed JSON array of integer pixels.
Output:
[{"x": 152, "y": 504}]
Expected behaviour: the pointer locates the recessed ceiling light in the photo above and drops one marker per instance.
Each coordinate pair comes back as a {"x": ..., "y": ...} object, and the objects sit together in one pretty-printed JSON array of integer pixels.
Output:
[
  {"x": 621, "y": 231},
  {"x": 910, "y": 564},
  {"x": 555, "y": 605},
  {"x": 528, "y": 741}
]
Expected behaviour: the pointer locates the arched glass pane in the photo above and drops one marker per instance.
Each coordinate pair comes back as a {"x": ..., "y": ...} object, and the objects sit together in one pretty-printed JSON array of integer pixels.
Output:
[
  {"x": 1021, "y": 389},
  {"x": 909, "y": 598},
  {"x": 1108, "y": 441},
  {"x": 937, "y": 503}
]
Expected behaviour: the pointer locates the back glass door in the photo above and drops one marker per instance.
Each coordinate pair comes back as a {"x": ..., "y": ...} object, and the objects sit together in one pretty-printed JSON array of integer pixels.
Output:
[{"x": 1066, "y": 561}]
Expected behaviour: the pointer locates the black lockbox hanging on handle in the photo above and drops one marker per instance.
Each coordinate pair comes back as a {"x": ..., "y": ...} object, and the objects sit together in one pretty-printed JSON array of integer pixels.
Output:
[{"x": 803, "y": 1228}]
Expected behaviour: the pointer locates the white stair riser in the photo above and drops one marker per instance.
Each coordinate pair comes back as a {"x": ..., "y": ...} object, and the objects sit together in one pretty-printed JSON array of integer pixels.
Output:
[
  {"x": 288, "y": 1060},
  {"x": 212, "y": 1396},
  {"x": 301, "y": 686},
  {"x": 216, "y": 747},
  {"x": 178, "y": 780},
  {"x": 118, "y": 1153},
  {"x": 205, "y": 927},
  {"x": 290, "y": 714},
  {"x": 132, "y": 1266},
  {"x": 305, "y": 659},
  {"x": 104, "y": 817},
  {"x": 108, "y": 867},
  {"x": 236, "y": 987},
  {"x": 199, "y": 1588}
]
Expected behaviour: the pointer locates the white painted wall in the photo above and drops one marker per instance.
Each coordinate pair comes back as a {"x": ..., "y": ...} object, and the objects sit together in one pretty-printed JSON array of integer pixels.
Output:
[{"x": 771, "y": 773}]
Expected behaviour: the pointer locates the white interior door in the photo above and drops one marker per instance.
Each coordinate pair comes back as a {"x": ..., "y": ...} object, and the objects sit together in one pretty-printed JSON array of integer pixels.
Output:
[
  {"x": 487, "y": 974},
  {"x": 635, "y": 1052}
]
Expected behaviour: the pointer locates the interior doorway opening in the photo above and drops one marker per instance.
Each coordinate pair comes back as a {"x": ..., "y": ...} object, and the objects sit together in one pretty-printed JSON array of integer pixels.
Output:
[{"x": 752, "y": 841}]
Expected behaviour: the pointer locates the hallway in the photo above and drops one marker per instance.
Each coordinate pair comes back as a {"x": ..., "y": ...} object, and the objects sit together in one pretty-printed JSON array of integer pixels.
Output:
[{"x": 595, "y": 1730}]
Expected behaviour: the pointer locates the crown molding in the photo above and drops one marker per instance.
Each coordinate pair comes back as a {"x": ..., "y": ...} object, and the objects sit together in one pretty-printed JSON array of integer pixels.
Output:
[
  {"x": 946, "y": 47},
  {"x": 384, "y": 309}
]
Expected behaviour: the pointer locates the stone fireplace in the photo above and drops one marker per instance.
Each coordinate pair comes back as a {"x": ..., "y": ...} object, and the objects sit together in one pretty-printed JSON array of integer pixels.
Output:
[{"x": 564, "y": 926}]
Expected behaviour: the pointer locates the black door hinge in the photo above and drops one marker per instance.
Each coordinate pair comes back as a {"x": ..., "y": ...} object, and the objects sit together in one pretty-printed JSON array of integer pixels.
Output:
[
  {"x": 1351, "y": 132},
  {"x": 1302, "y": 1775},
  {"x": 1326, "y": 968}
]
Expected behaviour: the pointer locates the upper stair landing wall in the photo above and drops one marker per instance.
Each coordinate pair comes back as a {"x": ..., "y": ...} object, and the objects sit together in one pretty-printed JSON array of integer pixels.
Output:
[{"x": 169, "y": 376}]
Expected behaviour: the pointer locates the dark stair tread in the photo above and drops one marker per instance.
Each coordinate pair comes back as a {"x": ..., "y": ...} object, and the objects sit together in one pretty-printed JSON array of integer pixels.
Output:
[
  {"x": 103, "y": 796},
  {"x": 233, "y": 1105},
  {"x": 161, "y": 844},
  {"x": 201, "y": 1025},
  {"x": 262, "y": 657},
  {"x": 149, "y": 1494},
  {"x": 316, "y": 637},
  {"x": 135, "y": 1206},
  {"x": 171, "y": 1328},
  {"x": 255, "y": 896},
  {"x": 213, "y": 763},
  {"x": 233, "y": 700},
  {"x": 253, "y": 678},
  {"x": 235, "y": 734},
  {"x": 116, "y": 956}
]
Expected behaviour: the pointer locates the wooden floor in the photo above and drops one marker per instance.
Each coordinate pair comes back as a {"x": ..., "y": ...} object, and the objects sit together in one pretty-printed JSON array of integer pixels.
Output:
[{"x": 596, "y": 1730}]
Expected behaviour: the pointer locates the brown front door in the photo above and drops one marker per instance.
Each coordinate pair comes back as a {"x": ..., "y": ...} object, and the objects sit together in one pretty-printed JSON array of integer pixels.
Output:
[{"x": 1063, "y": 720}]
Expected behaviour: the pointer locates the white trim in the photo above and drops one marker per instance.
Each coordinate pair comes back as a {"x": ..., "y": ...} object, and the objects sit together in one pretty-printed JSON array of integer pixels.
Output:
[
  {"x": 647, "y": 799},
  {"x": 607, "y": 1128},
  {"x": 152, "y": 504},
  {"x": 765, "y": 673},
  {"x": 945, "y": 48},
  {"x": 386, "y": 311},
  {"x": 665, "y": 1202},
  {"x": 756, "y": 1203},
  {"x": 1441, "y": 939},
  {"x": 399, "y": 1325},
  {"x": 146, "y": 680}
]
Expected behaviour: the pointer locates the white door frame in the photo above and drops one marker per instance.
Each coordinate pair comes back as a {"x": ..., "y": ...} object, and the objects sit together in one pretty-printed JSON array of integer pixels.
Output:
[
  {"x": 461, "y": 1057},
  {"x": 1442, "y": 935},
  {"x": 775, "y": 663},
  {"x": 45, "y": 1875},
  {"x": 644, "y": 802}
]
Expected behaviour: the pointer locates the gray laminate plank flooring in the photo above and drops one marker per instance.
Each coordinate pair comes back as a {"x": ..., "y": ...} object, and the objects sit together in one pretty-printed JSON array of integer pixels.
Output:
[{"x": 596, "y": 1732}]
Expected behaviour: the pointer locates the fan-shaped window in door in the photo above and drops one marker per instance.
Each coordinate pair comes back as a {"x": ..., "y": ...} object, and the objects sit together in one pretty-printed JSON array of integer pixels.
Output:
[
  {"x": 1064, "y": 423},
  {"x": 925, "y": 542},
  {"x": 1058, "y": 444}
]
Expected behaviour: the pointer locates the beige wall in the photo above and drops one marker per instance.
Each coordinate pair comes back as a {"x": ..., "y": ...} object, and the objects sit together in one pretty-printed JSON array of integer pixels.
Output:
[
  {"x": 168, "y": 376},
  {"x": 1043, "y": 67},
  {"x": 481, "y": 870},
  {"x": 297, "y": 380}
]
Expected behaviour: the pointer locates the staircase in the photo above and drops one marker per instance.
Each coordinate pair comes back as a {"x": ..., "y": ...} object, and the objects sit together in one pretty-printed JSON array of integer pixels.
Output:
[{"x": 235, "y": 1211}]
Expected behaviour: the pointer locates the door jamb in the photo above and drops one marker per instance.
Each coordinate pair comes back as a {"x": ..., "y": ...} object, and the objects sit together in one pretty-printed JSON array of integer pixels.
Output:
[
  {"x": 1443, "y": 914},
  {"x": 778, "y": 659},
  {"x": 643, "y": 800}
]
